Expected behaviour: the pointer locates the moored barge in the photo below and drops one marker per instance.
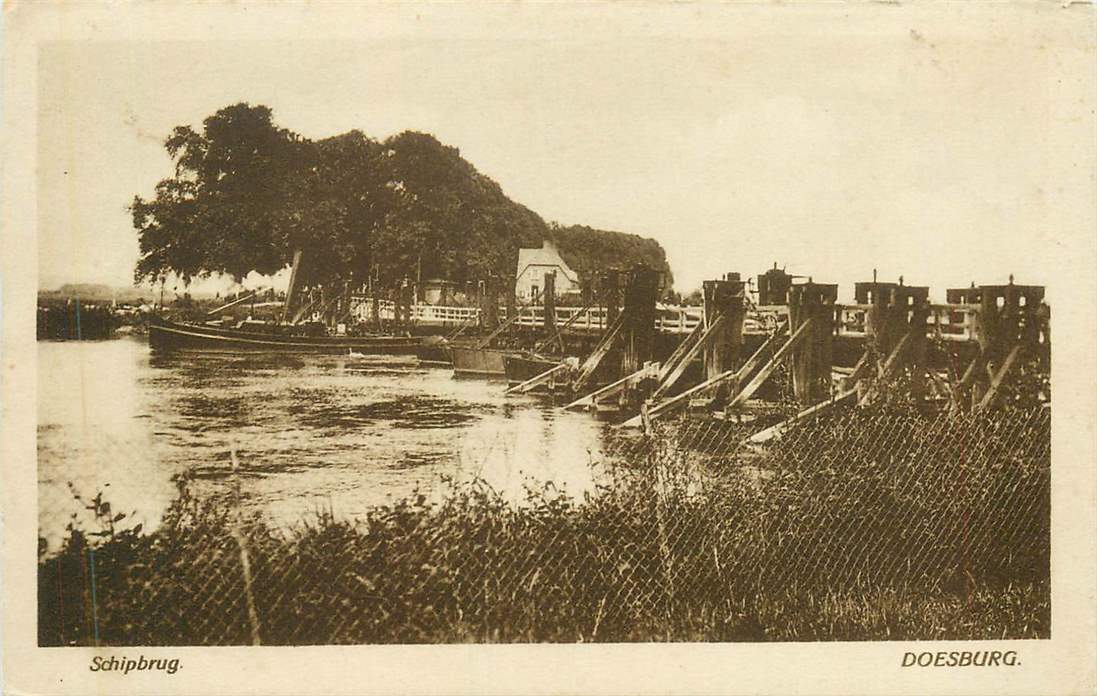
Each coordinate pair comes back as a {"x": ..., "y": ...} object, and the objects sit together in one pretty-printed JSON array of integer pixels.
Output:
[{"x": 165, "y": 335}]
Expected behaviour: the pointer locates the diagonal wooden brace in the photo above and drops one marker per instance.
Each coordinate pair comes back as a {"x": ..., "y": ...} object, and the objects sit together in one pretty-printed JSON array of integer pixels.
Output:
[
  {"x": 763, "y": 374},
  {"x": 670, "y": 377},
  {"x": 999, "y": 377}
]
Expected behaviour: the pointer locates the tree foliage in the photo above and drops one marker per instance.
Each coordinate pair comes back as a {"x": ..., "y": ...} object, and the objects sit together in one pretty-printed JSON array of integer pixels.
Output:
[
  {"x": 588, "y": 250},
  {"x": 247, "y": 193}
]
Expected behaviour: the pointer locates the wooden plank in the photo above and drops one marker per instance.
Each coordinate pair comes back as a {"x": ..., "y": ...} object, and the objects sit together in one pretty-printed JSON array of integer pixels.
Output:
[
  {"x": 676, "y": 400},
  {"x": 859, "y": 369}
]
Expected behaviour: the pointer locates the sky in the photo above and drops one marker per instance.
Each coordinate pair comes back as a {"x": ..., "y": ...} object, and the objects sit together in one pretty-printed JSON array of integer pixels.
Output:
[{"x": 915, "y": 144}]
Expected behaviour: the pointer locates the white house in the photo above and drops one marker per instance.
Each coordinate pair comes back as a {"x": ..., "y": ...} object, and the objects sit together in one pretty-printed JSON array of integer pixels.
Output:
[{"x": 533, "y": 264}]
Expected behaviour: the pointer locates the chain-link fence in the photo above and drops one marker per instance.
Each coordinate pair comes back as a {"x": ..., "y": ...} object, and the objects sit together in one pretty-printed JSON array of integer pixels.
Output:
[{"x": 881, "y": 523}]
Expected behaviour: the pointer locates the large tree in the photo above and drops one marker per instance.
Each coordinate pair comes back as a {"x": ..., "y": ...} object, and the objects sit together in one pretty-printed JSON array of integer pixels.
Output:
[
  {"x": 246, "y": 194},
  {"x": 231, "y": 205}
]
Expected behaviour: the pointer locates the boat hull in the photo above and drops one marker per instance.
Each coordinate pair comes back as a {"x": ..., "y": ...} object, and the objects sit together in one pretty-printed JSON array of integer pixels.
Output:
[
  {"x": 434, "y": 355},
  {"x": 520, "y": 368},
  {"x": 478, "y": 362},
  {"x": 173, "y": 336}
]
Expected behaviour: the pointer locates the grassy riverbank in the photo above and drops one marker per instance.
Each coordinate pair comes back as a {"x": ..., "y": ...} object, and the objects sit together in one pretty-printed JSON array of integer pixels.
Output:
[{"x": 854, "y": 528}]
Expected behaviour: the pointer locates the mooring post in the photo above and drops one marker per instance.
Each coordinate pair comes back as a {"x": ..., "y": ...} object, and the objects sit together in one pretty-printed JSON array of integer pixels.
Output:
[
  {"x": 895, "y": 323},
  {"x": 404, "y": 301},
  {"x": 911, "y": 304},
  {"x": 512, "y": 301},
  {"x": 611, "y": 289},
  {"x": 723, "y": 298},
  {"x": 1011, "y": 321},
  {"x": 490, "y": 305},
  {"x": 813, "y": 358},
  {"x": 548, "y": 303},
  {"x": 638, "y": 320}
]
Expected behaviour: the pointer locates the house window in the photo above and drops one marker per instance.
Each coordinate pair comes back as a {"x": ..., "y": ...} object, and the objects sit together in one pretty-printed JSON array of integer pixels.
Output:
[{"x": 533, "y": 290}]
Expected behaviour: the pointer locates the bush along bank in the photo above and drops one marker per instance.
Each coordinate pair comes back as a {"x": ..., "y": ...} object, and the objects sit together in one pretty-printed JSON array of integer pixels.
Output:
[{"x": 859, "y": 526}]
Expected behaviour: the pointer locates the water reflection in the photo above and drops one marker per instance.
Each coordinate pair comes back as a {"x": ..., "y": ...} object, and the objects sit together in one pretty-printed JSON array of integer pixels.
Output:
[{"x": 315, "y": 432}]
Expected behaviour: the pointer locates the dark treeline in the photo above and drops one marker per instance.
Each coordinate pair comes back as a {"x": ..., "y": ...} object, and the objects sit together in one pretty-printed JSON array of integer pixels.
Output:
[
  {"x": 247, "y": 193},
  {"x": 74, "y": 320}
]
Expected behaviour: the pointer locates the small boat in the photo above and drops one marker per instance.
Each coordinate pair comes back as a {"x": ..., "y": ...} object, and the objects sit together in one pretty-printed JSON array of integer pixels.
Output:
[{"x": 165, "y": 335}]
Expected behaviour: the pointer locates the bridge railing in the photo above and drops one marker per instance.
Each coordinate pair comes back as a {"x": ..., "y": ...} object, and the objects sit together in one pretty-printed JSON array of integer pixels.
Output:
[{"x": 949, "y": 322}]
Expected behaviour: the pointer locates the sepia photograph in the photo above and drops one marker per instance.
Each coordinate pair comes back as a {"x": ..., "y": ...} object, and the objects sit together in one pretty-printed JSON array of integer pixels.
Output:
[{"x": 730, "y": 324}]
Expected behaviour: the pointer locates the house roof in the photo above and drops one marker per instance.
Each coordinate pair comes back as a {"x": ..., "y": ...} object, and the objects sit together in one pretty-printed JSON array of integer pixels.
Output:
[{"x": 546, "y": 255}]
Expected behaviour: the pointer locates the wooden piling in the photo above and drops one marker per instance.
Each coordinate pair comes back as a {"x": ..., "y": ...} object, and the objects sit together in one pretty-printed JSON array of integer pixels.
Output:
[
  {"x": 897, "y": 317},
  {"x": 489, "y": 303},
  {"x": 1010, "y": 326},
  {"x": 548, "y": 302},
  {"x": 723, "y": 298},
  {"x": 813, "y": 359},
  {"x": 638, "y": 330},
  {"x": 611, "y": 291}
]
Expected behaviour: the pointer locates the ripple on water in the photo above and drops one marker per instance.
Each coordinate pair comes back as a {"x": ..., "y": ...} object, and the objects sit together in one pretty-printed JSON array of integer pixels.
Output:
[
  {"x": 409, "y": 413},
  {"x": 357, "y": 430}
]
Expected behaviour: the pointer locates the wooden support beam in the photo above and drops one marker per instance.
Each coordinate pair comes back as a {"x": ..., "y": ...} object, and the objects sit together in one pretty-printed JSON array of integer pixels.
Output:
[
  {"x": 534, "y": 382},
  {"x": 688, "y": 342},
  {"x": 648, "y": 370},
  {"x": 680, "y": 399},
  {"x": 559, "y": 331},
  {"x": 885, "y": 371},
  {"x": 968, "y": 378},
  {"x": 669, "y": 380},
  {"x": 999, "y": 377},
  {"x": 484, "y": 342},
  {"x": 767, "y": 369},
  {"x": 758, "y": 356},
  {"x": 600, "y": 351},
  {"x": 943, "y": 386},
  {"x": 737, "y": 375},
  {"x": 848, "y": 396},
  {"x": 859, "y": 369}
]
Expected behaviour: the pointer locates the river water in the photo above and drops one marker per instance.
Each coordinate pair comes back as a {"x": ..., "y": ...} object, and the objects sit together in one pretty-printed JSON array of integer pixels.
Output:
[{"x": 311, "y": 433}]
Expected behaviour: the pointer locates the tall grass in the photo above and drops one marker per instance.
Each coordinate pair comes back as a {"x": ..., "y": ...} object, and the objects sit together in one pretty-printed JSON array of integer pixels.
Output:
[{"x": 835, "y": 534}]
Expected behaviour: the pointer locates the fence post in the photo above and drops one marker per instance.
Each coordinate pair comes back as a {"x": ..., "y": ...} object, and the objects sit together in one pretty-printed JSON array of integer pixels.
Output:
[{"x": 241, "y": 542}]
